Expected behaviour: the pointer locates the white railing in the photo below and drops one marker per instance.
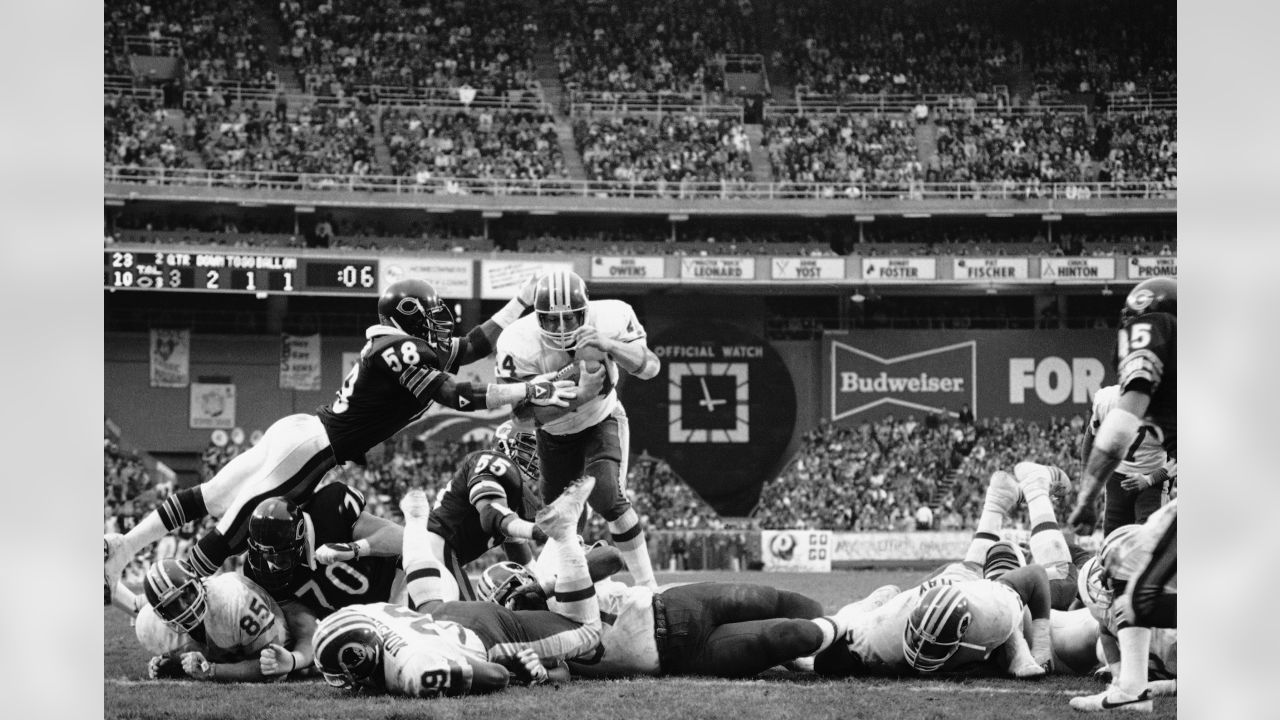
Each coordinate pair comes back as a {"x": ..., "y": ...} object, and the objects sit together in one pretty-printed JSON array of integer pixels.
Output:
[
  {"x": 582, "y": 102},
  {"x": 563, "y": 187},
  {"x": 898, "y": 108}
]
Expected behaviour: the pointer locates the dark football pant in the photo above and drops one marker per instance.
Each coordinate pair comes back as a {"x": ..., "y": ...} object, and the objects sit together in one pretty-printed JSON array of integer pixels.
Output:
[
  {"x": 596, "y": 451},
  {"x": 506, "y": 632},
  {"x": 732, "y": 630},
  {"x": 1153, "y": 605},
  {"x": 1126, "y": 507}
]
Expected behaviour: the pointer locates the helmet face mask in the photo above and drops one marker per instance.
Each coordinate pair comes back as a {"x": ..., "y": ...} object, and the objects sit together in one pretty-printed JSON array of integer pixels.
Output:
[
  {"x": 519, "y": 446},
  {"x": 414, "y": 307},
  {"x": 936, "y": 627},
  {"x": 348, "y": 653},
  {"x": 1094, "y": 586},
  {"x": 499, "y": 582},
  {"x": 560, "y": 304},
  {"x": 177, "y": 596},
  {"x": 277, "y": 543}
]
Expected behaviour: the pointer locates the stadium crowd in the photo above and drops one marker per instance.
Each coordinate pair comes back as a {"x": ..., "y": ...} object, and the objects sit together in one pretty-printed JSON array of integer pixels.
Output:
[{"x": 675, "y": 149}]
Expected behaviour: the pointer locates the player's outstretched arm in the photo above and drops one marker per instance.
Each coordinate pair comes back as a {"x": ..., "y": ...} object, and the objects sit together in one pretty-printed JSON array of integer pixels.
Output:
[
  {"x": 1118, "y": 431},
  {"x": 276, "y": 660},
  {"x": 199, "y": 668},
  {"x": 481, "y": 341},
  {"x": 384, "y": 538}
]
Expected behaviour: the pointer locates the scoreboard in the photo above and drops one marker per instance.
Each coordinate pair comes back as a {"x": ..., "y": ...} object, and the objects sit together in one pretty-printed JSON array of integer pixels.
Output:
[{"x": 217, "y": 271}]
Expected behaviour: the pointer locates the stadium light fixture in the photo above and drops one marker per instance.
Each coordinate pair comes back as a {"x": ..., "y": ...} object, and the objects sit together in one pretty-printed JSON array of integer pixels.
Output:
[{"x": 1107, "y": 291}]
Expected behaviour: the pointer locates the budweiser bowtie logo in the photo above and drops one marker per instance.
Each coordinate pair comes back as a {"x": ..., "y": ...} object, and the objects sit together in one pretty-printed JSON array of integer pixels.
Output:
[{"x": 937, "y": 380}]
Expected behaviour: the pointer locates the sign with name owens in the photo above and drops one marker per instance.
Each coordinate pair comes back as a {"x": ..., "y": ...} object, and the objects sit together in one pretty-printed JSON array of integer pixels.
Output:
[{"x": 626, "y": 268}]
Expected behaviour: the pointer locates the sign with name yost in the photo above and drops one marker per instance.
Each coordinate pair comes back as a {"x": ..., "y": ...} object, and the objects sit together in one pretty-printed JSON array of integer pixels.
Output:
[
  {"x": 721, "y": 411},
  {"x": 1064, "y": 269},
  {"x": 891, "y": 269},
  {"x": 626, "y": 268},
  {"x": 717, "y": 269},
  {"x": 989, "y": 268},
  {"x": 1141, "y": 268},
  {"x": 802, "y": 269},
  {"x": 937, "y": 380}
]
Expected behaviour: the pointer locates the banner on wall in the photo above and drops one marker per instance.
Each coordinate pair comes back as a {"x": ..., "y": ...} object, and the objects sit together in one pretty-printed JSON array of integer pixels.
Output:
[
  {"x": 213, "y": 405},
  {"x": 1029, "y": 374},
  {"x": 890, "y": 269},
  {"x": 802, "y": 269},
  {"x": 500, "y": 279},
  {"x": 1064, "y": 269},
  {"x": 300, "y": 362},
  {"x": 717, "y": 269},
  {"x": 170, "y": 358},
  {"x": 990, "y": 268},
  {"x": 627, "y": 268},
  {"x": 451, "y": 278},
  {"x": 796, "y": 550},
  {"x": 1141, "y": 268}
]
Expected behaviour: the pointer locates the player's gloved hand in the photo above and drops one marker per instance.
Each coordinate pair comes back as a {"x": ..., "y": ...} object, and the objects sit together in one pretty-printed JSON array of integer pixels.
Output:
[
  {"x": 529, "y": 669},
  {"x": 165, "y": 667},
  {"x": 528, "y": 291},
  {"x": 330, "y": 553},
  {"x": 529, "y": 596},
  {"x": 1134, "y": 483},
  {"x": 554, "y": 392},
  {"x": 276, "y": 660},
  {"x": 1082, "y": 519},
  {"x": 196, "y": 666}
]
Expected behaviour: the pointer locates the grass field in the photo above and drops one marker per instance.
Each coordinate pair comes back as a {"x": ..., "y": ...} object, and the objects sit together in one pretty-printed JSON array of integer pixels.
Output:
[{"x": 774, "y": 696}]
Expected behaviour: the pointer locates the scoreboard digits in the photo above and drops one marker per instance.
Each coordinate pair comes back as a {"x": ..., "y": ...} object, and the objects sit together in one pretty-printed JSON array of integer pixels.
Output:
[{"x": 239, "y": 272}]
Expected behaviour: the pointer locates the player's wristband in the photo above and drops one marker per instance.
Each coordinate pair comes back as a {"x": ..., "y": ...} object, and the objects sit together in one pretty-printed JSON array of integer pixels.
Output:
[
  {"x": 361, "y": 548},
  {"x": 297, "y": 660},
  {"x": 509, "y": 313}
]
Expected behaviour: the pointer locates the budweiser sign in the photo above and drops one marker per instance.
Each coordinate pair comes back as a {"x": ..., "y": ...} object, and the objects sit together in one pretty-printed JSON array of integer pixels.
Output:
[{"x": 937, "y": 380}]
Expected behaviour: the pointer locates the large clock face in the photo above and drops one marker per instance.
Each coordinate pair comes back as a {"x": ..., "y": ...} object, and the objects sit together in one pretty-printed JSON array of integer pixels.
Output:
[{"x": 708, "y": 402}]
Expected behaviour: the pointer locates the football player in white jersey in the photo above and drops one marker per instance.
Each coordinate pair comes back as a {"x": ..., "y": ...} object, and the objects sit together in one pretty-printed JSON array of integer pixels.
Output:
[
  {"x": 1140, "y": 484},
  {"x": 205, "y": 629},
  {"x": 593, "y": 340}
]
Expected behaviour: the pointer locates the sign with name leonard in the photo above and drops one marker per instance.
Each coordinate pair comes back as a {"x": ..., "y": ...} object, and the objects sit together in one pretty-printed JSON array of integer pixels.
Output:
[{"x": 721, "y": 411}]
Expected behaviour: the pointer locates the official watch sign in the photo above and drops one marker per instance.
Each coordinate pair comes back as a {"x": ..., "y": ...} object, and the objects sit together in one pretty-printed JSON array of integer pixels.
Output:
[{"x": 721, "y": 411}]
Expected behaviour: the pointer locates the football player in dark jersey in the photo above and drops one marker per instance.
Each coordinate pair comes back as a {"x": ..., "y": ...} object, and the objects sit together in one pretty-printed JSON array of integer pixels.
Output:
[
  {"x": 406, "y": 365},
  {"x": 1147, "y": 370},
  {"x": 491, "y": 499},
  {"x": 317, "y": 558}
]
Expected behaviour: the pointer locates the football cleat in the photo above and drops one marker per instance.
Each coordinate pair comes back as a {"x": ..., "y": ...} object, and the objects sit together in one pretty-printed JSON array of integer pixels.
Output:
[
  {"x": 559, "y": 518},
  {"x": 1002, "y": 493},
  {"x": 415, "y": 506},
  {"x": 1113, "y": 699},
  {"x": 113, "y": 561}
]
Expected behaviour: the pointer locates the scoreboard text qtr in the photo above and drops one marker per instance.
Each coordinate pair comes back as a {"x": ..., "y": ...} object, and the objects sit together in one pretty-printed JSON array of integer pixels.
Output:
[{"x": 239, "y": 272}]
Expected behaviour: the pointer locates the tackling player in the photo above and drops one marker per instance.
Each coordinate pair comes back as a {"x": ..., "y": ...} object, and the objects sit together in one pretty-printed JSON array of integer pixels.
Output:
[
  {"x": 594, "y": 339},
  {"x": 205, "y": 629},
  {"x": 1147, "y": 366},
  {"x": 491, "y": 499},
  {"x": 406, "y": 365}
]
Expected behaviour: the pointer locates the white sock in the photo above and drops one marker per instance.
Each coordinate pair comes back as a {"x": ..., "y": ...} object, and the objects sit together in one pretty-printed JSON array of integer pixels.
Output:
[
  {"x": 1135, "y": 645},
  {"x": 635, "y": 550},
  {"x": 1048, "y": 545},
  {"x": 575, "y": 594},
  {"x": 830, "y": 630},
  {"x": 426, "y": 577}
]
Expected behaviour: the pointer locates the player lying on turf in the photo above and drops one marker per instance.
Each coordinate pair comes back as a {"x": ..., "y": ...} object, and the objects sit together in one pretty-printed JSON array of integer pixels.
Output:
[
  {"x": 454, "y": 648},
  {"x": 206, "y": 629},
  {"x": 729, "y": 630}
]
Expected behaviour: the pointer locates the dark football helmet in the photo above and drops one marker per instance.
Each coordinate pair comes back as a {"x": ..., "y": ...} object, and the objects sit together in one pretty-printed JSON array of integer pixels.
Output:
[
  {"x": 414, "y": 307},
  {"x": 560, "y": 302},
  {"x": 1159, "y": 294},
  {"x": 936, "y": 627},
  {"x": 348, "y": 651},
  {"x": 520, "y": 446},
  {"x": 499, "y": 582},
  {"x": 277, "y": 543},
  {"x": 176, "y": 594}
]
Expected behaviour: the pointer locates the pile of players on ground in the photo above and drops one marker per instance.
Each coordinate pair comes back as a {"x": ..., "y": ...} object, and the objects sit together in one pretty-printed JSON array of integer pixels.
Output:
[{"x": 376, "y": 606}]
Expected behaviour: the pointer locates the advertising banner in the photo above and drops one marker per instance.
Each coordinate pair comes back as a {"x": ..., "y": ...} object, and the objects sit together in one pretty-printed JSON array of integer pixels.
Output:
[
  {"x": 300, "y": 362},
  {"x": 170, "y": 358},
  {"x": 996, "y": 269},
  {"x": 1064, "y": 269},
  {"x": 1029, "y": 374},
  {"x": 1141, "y": 268},
  {"x": 626, "y": 268},
  {"x": 891, "y": 269},
  {"x": 450, "y": 277},
  {"x": 500, "y": 279},
  {"x": 717, "y": 269},
  {"x": 802, "y": 269},
  {"x": 796, "y": 550}
]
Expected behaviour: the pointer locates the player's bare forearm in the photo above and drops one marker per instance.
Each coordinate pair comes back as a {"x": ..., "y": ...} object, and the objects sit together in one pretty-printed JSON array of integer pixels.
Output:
[
  {"x": 636, "y": 358},
  {"x": 385, "y": 538},
  {"x": 243, "y": 671},
  {"x": 518, "y": 552},
  {"x": 487, "y": 677}
]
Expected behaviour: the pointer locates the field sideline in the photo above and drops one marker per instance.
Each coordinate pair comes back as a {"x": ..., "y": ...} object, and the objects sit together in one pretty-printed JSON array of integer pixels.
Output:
[{"x": 775, "y": 696}]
